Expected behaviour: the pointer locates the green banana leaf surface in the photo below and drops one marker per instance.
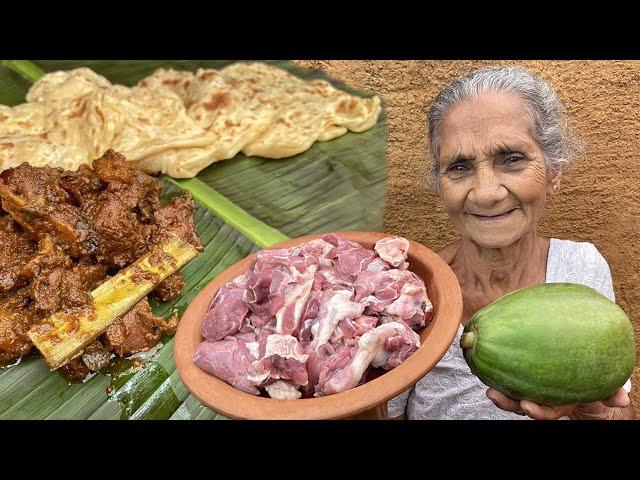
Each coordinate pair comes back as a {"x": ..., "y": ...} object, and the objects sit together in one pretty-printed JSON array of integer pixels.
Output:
[{"x": 243, "y": 204}]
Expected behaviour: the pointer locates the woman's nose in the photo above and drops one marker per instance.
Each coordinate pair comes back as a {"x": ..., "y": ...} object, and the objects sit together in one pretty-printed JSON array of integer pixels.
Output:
[{"x": 487, "y": 189}]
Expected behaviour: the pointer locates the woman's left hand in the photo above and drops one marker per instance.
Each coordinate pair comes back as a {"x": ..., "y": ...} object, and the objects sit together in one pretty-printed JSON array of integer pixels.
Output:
[{"x": 617, "y": 406}]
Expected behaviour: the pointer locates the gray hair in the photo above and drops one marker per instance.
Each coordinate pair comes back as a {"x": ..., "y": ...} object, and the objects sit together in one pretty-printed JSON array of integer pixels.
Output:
[{"x": 547, "y": 115}]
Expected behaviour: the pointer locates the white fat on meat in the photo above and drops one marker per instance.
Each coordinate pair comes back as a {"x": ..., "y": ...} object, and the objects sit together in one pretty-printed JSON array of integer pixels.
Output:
[
  {"x": 283, "y": 390},
  {"x": 316, "y": 247},
  {"x": 285, "y": 346},
  {"x": 254, "y": 349},
  {"x": 295, "y": 300},
  {"x": 392, "y": 250},
  {"x": 335, "y": 306},
  {"x": 331, "y": 279},
  {"x": 378, "y": 265}
]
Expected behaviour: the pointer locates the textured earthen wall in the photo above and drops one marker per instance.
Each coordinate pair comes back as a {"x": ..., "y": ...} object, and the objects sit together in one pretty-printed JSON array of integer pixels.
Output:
[{"x": 598, "y": 200}]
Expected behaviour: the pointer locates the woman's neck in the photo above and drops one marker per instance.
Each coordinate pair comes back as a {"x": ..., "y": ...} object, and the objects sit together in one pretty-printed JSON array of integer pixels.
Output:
[
  {"x": 508, "y": 268},
  {"x": 486, "y": 274}
]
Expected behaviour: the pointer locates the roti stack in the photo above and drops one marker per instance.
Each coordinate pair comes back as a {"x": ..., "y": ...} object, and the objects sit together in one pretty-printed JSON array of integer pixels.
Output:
[{"x": 177, "y": 122}]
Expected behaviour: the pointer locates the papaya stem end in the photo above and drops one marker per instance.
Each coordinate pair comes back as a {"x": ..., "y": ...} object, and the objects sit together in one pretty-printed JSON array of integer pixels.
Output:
[{"x": 467, "y": 340}]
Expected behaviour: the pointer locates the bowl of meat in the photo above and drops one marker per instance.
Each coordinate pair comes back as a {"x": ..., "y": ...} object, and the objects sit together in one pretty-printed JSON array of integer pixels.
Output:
[{"x": 325, "y": 326}]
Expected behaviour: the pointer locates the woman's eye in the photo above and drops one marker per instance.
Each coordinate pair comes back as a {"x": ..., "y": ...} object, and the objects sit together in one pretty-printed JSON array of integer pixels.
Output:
[
  {"x": 512, "y": 159},
  {"x": 458, "y": 167}
]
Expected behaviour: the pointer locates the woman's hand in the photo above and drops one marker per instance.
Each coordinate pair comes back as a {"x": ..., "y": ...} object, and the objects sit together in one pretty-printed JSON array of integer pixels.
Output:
[{"x": 615, "y": 407}]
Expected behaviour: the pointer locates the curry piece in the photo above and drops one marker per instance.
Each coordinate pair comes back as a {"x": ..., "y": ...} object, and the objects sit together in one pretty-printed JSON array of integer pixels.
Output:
[
  {"x": 35, "y": 184},
  {"x": 138, "y": 330},
  {"x": 139, "y": 192},
  {"x": 15, "y": 251},
  {"x": 94, "y": 358},
  {"x": 177, "y": 218},
  {"x": 169, "y": 288},
  {"x": 16, "y": 317},
  {"x": 35, "y": 199},
  {"x": 57, "y": 282},
  {"x": 75, "y": 370},
  {"x": 8, "y": 224},
  {"x": 120, "y": 238},
  {"x": 81, "y": 184}
]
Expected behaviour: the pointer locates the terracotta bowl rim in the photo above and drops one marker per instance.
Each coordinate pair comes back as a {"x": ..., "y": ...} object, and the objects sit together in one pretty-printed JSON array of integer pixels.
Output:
[{"x": 231, "y": 402}]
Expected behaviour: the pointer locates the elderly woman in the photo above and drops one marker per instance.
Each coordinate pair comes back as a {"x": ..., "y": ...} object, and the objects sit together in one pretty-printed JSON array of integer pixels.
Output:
[{"x": 500, "y": 146}]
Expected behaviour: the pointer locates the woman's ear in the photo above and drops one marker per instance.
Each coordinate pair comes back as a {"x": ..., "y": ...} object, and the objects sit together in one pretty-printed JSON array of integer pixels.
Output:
[{"x": 553, "y": 182}]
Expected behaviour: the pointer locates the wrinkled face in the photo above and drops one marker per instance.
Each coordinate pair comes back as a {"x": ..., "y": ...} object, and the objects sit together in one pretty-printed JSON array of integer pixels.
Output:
[{"x": 493, "y": 177}]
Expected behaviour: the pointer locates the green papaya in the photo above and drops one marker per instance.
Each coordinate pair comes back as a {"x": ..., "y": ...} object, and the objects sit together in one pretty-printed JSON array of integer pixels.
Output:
[{"x": 553, "y": 343}]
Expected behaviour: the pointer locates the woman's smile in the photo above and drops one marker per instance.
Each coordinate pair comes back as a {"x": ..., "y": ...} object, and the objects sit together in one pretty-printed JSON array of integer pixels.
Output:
[{"x": 492, "y": 217}]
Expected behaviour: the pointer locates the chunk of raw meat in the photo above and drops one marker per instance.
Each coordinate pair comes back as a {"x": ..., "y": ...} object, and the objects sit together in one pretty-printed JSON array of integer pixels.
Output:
[
  {"x": 399, "y": 342},
  {"x": 350, "y": 329},
  {"x": 334, "y": 306},
  {"x": 350, "y": 257},
  {"x": 392, "y": 250},
  {"x": 317, "y": 248},
  {"x": 296, "y": 294},
  {"x": 286, "y": 346},
  {"x": 284, "y": 358},
  {"x": 278, "y": 285},
  {"x": 378, "y": 265},
  {"x": 226, "y": 312},
  {"x": 396, "y": 295},
  {"x": 411, "y": 307},
  {"x": 312, "y": 309},
  {"x": 372, "y": 349},
  {"x": 230, "y": 360},
  {"x": 320, "y": 366},
  {"x": 263, "y": 294},
  {"x": 283, "y": 390}
]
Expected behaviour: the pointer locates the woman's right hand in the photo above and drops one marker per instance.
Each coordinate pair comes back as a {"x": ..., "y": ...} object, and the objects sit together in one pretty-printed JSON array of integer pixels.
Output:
[{"x": 616, "y": 407}]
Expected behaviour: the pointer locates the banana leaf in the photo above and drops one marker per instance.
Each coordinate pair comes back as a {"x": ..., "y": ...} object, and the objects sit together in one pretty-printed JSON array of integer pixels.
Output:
[{"x": 243, "y": 204}]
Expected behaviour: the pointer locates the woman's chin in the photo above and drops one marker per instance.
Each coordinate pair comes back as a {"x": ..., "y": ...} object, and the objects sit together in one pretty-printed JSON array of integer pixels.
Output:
[{"x": 496, "y": 241}]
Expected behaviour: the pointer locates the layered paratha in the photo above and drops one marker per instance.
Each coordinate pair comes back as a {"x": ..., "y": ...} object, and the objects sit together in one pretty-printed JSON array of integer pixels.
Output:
[{"x": 177, "y": 122}]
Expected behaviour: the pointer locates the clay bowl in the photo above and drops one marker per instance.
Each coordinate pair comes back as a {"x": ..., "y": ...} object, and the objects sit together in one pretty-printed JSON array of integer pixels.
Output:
[{"x": 443, "y": 291}]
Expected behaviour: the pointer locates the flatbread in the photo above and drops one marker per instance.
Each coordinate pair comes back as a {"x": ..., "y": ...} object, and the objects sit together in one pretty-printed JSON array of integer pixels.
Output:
[
  {"x": 177, "y": 122},
  {"x": 306, "y": 111}
]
